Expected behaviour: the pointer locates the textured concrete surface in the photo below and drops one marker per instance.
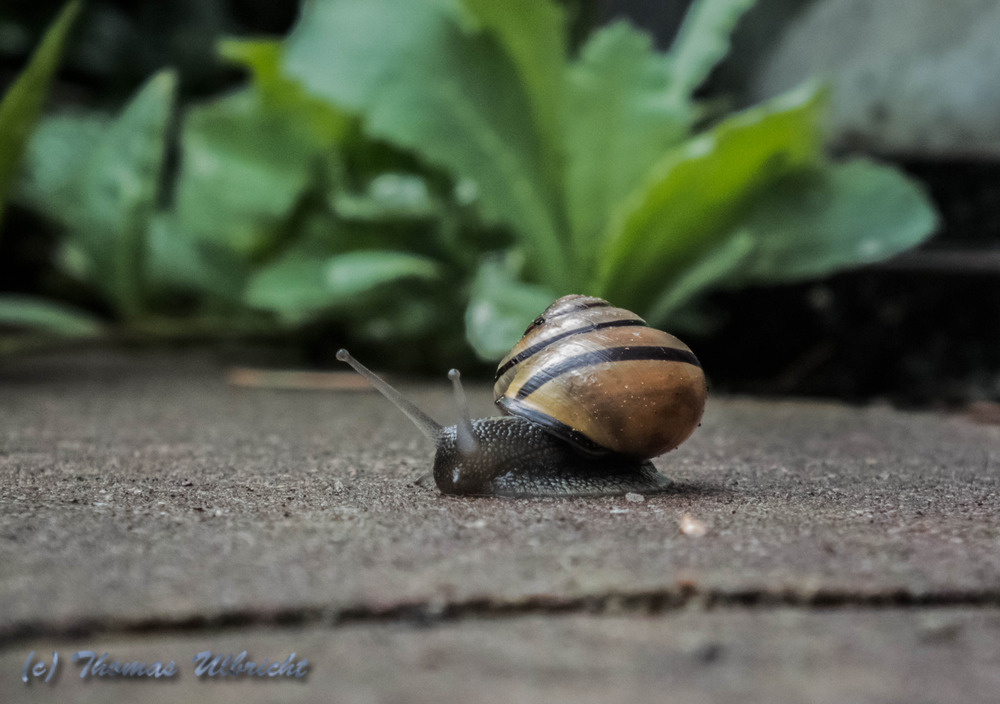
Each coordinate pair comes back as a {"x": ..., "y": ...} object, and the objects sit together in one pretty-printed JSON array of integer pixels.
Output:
[
  {"x": 143, "y": 498},
  {"x": 715, "y": 657}
]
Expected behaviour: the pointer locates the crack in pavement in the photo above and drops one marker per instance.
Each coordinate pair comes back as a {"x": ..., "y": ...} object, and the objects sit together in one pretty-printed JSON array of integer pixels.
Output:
[{"x": 433, "y": 612}]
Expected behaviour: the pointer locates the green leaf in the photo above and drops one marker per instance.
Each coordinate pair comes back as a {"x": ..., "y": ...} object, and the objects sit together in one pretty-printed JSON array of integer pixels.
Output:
[
  {"x": 694, "y": 196},
  {"x": 533, "y": 33},
  {"x": 702, "y": 275},
  {"x": 618, "y": 125},
  {"x": 29, "y": 312},
  {"x": 280, "y": 94},
  {"x": 703, "y": 40},
  {"x": 814, "y": 223},
  {"x": 22, "y": 104},
  {"x": 501, "y": 306},
  {"x": 248, "y": 158},
  {"x": 299, "y": 287},
  {"x": 242, "y": 171},
  {"x": 454, "y": 97},
  {"x": 118, "y": 189},
  {"x": 181, "y": 261},
  {"x": 56, "y": 155}
]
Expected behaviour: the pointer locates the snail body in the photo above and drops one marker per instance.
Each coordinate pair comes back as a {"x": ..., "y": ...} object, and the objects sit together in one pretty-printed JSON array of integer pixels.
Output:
[
  {"x": 520, "y": 458},
  {"x": 591, "y": 393}
]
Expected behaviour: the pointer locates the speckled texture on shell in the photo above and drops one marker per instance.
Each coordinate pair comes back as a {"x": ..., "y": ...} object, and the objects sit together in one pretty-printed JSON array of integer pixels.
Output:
[{"x": 518, "y": 458}]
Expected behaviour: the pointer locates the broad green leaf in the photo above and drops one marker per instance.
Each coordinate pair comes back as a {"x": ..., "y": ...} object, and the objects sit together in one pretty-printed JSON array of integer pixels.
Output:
[
  {"x": 703, "y": 40},
  {"x": 501, "y": 306},
  {"x": 279, "y": 93},
  {"x": 697, "y": 192},
  {"x": 704, "y": 274},
  {"x": 618, "y": 125},
  {"x": 533, "y": 33},
  {"x": 56, "y": 155},
  {"x": 180, "y": 261},
  {"x": 298, "y": 288},
  {"x": 821, "y": 221},
  {"x": 248, "y": 158},
  {"x": 453, "y": 97},
  {"x": 28, "y": 312},
  {"x": 118, "y": 188},
  {"x": 242, "y": 171},
  {"x": 22, "y": 104}
]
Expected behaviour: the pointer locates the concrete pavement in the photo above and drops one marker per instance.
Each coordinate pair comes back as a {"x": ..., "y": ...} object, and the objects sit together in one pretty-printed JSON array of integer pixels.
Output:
[{"x": 811, "y": 552}]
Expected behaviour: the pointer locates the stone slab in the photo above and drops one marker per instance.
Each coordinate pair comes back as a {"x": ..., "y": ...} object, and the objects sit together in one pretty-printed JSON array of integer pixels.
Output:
[
  {"x": 738, "y": 656},
  {"x": 141, "y": 491}
]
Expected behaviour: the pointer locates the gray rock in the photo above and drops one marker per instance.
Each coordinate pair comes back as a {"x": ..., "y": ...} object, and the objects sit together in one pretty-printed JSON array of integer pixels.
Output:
[{"x": 909, "y": 76}]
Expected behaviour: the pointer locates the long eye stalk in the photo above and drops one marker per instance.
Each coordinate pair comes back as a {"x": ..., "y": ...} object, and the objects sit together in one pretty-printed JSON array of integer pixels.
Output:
[
  {"x": 466, "y": 438},
  {"x": 424, "y": 422}
]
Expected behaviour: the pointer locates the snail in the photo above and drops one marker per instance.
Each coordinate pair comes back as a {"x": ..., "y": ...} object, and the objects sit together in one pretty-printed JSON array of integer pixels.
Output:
[{"x": 590, "y": 393}]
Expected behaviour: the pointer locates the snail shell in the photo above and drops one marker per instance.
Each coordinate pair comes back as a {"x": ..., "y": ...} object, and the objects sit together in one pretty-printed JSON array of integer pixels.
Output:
[{"x": 600, "y": 378}]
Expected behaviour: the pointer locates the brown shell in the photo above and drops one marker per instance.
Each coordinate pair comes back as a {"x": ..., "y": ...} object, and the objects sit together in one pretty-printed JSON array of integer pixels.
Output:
[{"x": 597, "y": 376}]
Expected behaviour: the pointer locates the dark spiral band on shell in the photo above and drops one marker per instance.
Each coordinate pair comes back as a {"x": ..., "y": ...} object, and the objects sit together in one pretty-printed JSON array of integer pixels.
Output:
[
  {"x": 536, "y": 348},
  {"x": 610, "y": 354},
  {"x": 556, "y": 427}
]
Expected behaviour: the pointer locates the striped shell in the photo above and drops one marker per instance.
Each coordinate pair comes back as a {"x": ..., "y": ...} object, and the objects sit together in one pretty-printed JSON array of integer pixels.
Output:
[{"x": 598, "y": 377}]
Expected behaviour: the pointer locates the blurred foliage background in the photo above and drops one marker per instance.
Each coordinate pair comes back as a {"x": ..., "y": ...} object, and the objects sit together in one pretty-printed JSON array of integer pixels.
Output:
[{"x": 416, "y": 179}]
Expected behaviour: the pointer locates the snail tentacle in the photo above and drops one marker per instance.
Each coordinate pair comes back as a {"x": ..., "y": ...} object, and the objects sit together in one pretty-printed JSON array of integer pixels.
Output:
[
  {"x": 466, "y": 438},
  {"x": 427, "y": 425}
]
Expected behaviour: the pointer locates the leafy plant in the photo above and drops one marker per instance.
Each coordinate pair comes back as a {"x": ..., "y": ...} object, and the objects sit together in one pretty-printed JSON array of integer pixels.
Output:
[
  {"x": 22, "y": 104},
  {"x": 392, "y": 166},
  {"x": 19, "y": 112},
  {"x": 600, "y": 164},
  {"x": 281, "y": 214}
]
